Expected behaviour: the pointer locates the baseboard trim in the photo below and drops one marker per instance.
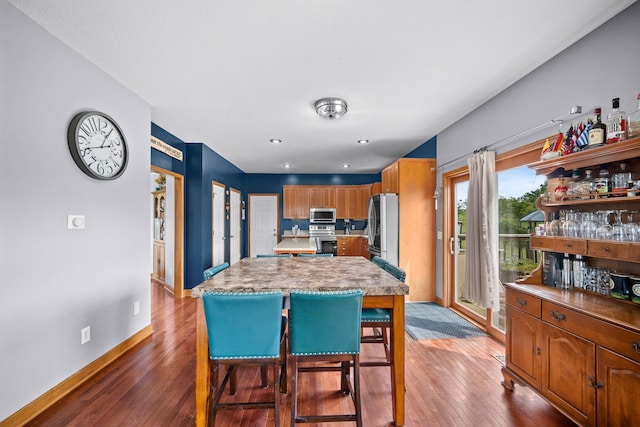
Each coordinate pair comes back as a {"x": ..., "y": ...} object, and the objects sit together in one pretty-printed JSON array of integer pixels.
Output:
[{"x": 46, "y": 400}]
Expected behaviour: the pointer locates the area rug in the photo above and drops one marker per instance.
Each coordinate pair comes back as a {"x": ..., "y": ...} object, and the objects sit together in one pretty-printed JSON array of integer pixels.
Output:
[{"x": 428, "y": 321}]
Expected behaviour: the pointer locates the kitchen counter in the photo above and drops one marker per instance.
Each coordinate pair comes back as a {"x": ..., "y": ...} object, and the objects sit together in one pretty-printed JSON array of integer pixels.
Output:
[
  {"x": 352, "y": 233},
  {"x": 300, "y": 245}
]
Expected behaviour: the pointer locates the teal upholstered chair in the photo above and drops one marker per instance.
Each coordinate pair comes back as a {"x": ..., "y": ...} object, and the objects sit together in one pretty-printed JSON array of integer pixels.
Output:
[
  {"x": 274, "y": 256},
  {"x": 315, "y": 255},
  {"x": 212, "y": 271},
  {"x": 245, "y": 328},
  {"x": 325, "y": 326},
  {"x": 379, "y": 319},
  {"x": 380, "y": 262},
  {"x": 396, "y": 272}
]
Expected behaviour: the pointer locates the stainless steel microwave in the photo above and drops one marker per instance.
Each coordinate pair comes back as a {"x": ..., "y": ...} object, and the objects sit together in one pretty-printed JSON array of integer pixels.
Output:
[{"x": 322, "y": 215}]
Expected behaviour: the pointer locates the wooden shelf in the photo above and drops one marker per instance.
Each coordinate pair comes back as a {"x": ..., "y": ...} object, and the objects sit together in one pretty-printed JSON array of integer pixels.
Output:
[{"x": 605, "y": 154}]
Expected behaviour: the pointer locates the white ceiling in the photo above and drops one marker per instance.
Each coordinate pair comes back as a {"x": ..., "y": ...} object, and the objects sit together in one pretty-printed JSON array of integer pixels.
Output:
[{"x": 234, "y": 74}]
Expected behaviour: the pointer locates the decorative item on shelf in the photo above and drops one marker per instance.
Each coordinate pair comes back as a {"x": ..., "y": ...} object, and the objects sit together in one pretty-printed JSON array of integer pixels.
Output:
[
  {"x": 161, "y": 181},
  {"x": 551, "y": 151},
  {"x": 633, "y": 122}
]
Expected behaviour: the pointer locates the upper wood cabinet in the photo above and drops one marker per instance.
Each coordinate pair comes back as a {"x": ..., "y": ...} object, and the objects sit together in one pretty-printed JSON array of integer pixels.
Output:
[
  {"x": 390, "y": 178},
  {"x": 295, "y": 201},
  {"x": 350, "y": 201},
  {"x": 322, "y": 196}
]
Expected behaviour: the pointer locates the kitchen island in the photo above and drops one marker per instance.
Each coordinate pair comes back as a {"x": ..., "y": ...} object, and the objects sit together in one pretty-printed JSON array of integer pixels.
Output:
[
  {"x": 380, "y": 290},
  {"x": 294, "y": 246}
]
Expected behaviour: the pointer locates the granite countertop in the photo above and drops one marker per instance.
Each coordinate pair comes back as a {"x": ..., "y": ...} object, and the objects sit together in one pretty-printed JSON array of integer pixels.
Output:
[{"x": 312, "y": 273}]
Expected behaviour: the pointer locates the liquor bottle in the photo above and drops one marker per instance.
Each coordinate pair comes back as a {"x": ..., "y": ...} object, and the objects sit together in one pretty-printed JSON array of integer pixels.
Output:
[
  {"x": 598, "y": 131},
  {"x": 616, "y": 123},
  {"x": 574, "y": 184},
  {"x": 585, "y": 186},
  {"x": 620, "y": 180},
  {"x": 633, "y": 122},
  {"x": 601, "y": 183}
]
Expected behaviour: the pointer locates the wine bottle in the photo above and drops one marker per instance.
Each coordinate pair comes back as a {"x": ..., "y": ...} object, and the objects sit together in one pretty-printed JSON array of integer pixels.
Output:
[{"x": 598, "y": 131}]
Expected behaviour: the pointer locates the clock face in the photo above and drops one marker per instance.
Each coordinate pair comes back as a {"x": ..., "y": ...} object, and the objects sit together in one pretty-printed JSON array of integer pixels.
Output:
[{"x": 97, "y": 145}]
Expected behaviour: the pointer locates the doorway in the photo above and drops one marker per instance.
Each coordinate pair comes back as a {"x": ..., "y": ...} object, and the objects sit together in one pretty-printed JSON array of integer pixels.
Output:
[
  {"x": 516, "y": 184},
  {"x": 171, "y": 253},
  {"x": 235, "y": 226},
  {"x": 218, "y": 235},
  {"x": 264, "y": 223}
]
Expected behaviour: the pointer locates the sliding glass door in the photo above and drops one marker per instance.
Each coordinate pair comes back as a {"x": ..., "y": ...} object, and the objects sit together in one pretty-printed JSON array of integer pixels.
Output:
[{"x": 518, "y": 188}]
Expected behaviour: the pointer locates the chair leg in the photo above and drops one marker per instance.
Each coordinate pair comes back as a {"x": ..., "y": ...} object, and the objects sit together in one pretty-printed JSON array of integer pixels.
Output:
[
  {"x": 263, "y": 376},
  {"x": 356, "y": 389},
  {"x": 294, "y": 391},
  {"x": 283, "y": 365},
  {"x": 276, "y": 393},
  {"x": 385, "y": 338},
  {"x": 233, "y": 381}
]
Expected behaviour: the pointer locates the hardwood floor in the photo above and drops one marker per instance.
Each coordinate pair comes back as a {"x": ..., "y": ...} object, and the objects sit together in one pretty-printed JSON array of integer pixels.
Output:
[{"x": 450, "y": 382}]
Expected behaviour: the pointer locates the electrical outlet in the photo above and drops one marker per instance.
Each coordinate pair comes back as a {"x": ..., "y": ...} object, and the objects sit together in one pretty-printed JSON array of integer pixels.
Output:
[
  {"x": 85, "y": 335},
  {"x": 136, "y": 308}
]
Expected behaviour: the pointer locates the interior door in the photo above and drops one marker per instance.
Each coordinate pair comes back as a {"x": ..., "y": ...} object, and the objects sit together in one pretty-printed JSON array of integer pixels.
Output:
[
  {"x": 263, "y": 223},
  {"x": 235, "y": 226},
  {"x": 217, "y": 223}
]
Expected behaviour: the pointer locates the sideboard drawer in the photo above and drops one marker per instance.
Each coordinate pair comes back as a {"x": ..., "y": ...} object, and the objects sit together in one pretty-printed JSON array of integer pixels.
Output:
[
  {"x": 613, "y": 337},
  {"x": 524, "y": 302}
]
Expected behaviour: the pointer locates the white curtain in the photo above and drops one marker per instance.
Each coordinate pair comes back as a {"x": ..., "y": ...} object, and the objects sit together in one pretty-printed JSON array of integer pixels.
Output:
[{"x": 481, "y": 280}]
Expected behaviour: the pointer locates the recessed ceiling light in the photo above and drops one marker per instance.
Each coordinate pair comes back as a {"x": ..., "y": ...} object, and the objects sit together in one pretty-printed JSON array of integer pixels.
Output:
[
  {"x": 363, "y": 141},
  {"x": 276, "y": 141},
  {"x": 286, "y": 165},
  {"x": 346, "y": 165}
]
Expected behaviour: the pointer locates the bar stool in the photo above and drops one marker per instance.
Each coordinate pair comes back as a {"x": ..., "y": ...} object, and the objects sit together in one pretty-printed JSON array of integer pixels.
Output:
[
  {"x": 237, "y": 338},
  {"x": 325, "y": 326},
  {"x": 379, "y": 319}
]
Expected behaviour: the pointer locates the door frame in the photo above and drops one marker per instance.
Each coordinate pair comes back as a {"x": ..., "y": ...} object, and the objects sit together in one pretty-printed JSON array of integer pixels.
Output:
[
  {"x": 225, "y": 215},
  {"x": 278, "y": 218},
  {"x": 178, "y": 250},
  {"x": 239, "y": 215},
  {"x": 516, "y": 157}
]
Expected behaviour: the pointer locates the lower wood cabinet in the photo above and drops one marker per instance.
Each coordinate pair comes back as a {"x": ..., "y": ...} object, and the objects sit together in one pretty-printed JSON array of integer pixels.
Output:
[
  {"x": 158, "y": 259},
  {"x": 580, "y": 352},
  {"x": 353, "y": 246}
]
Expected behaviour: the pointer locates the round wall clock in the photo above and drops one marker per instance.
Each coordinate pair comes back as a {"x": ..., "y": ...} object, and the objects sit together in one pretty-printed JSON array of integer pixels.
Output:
[{"x": 97, "y": 145}]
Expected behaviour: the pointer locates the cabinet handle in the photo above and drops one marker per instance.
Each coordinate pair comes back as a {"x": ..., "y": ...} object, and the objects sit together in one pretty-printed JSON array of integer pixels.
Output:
[
  {"x": 557, "y": 315},
  {"x": 521, "y": 301},
  {"x": 606, "y": 249},
  {"x": 636, "y": 347},
  {"x": 569, "y": 245},
  {"x": 538, "y": 351},
  {"x": 594, "y": 384}
]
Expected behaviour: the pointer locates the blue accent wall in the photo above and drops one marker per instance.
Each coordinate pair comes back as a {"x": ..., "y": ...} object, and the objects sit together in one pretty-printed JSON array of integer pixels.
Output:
[{"x": 201, "y": 165}]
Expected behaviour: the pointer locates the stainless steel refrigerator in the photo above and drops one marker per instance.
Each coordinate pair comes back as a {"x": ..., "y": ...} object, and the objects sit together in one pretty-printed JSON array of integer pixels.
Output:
[{"x": 383, "y": 227}]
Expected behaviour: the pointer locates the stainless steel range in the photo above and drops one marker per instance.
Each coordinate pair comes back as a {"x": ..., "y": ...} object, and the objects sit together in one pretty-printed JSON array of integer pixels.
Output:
[{"x": 322, "y": 227}]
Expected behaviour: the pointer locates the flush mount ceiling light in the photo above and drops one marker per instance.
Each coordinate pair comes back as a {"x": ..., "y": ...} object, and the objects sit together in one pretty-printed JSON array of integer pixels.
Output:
[
  {"x": 363, "y": 141},
  {"x": 275, "y": 141},
  {"x": 331, "y": 108}
]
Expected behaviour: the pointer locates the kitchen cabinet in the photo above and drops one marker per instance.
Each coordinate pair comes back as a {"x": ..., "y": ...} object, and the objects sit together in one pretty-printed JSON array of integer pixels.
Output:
[
  {"x": 295, "y": 201},
  {"x": 414, "y": 180},
  {"x": 322, "y": 196},
  {"x": 353, "y": 246},
  {"x": 578, "y": 349},
  {"x": 351, "y": 201}
]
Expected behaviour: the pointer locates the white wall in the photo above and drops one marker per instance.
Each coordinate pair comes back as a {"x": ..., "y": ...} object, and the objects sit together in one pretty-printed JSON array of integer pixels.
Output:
[
  {"x": 603, "y": 65},
  {"x": 56, "y": 281}
]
